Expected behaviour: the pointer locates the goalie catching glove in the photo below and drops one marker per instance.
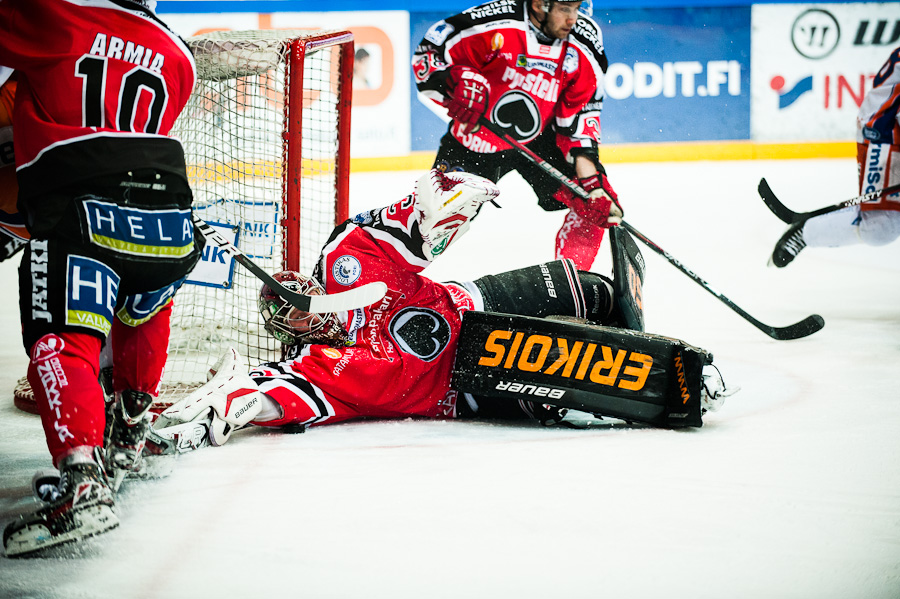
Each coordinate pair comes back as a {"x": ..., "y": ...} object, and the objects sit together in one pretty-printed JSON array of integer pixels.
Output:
[
  {"x": 602, "y": 208},
  {"x": 466, "y": 95},
  {"x": 230, "y": 397},
  {"x": 445, "y": 205}
]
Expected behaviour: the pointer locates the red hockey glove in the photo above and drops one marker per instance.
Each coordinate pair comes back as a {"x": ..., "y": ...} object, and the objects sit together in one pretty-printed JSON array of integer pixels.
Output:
[
  {"x": 602, "y": 208},
  {"x": 466, "y": 95}
]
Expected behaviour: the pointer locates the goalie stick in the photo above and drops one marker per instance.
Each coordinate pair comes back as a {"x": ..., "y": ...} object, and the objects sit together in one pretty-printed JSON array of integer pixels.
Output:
[
  {"x": 803, "y": 328},
  {"x": 358, "y": 297},
  {"x": 791, "y": 217}
]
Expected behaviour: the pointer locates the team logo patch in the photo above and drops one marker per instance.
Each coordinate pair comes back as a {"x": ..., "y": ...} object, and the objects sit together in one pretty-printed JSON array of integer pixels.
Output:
[
  {"x": 570, "y": 64},
  {"x": 420, "y": 332},
  {"x": 364, "y": 218},
  {"x": 47, "y": 347},
  {"x": 346, "y": 270},
  {"x": 497, "y": 41},
  {"x": 332, "y": 353},
  {"x": 525, "y": 62},
  {"x": 438, "y": 33},
  {"x": 518, "y": 115}
]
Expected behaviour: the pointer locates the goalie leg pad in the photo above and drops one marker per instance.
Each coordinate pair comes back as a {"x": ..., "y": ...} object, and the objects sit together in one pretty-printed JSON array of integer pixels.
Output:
[
  {"x": 628, "y": 278},
  {"x": 602, "y": 370}
]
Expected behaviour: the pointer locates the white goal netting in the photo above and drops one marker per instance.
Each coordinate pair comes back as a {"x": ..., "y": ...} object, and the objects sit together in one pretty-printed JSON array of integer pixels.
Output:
[{"x": 263, "y": 138}]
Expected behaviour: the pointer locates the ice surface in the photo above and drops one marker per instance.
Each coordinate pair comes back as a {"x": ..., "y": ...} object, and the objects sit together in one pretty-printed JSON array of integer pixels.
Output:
[{"x": 792, "y": 489}]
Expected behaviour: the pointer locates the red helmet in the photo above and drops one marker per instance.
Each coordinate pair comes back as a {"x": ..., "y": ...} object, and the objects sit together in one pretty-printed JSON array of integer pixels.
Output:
[{"x": 291, "y": 326}]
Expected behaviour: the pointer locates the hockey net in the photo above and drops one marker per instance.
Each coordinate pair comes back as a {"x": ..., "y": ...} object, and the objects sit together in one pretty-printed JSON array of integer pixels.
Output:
[
  {"x": 266, "y": 138},
  {"x": 266, "y": 135}
]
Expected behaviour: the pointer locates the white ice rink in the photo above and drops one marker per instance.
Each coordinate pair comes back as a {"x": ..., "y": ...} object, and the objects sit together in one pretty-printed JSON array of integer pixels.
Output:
[{"x": 791, "y": 490}]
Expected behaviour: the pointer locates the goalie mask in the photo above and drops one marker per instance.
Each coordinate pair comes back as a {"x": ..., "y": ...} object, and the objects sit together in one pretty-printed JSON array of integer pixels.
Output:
[{"x": 291, "y": 326}]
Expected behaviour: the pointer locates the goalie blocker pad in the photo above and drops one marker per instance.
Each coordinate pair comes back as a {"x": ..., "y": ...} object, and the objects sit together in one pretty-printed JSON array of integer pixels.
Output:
[{"x": 613, "y": 372}]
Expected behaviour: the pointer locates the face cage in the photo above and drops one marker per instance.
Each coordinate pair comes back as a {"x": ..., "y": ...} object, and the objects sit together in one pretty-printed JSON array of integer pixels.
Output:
[{"x": 276, "y": 313}]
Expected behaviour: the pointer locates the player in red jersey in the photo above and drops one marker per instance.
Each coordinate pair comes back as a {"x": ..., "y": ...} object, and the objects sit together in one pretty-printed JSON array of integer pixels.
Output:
[
  {"x": 392, "y": 359},
  {"x": 105, "y": 198},
  {"x": 535, "y": 69},
  {"x": 13, "y": 234},
  {"x": 878, "y": 160}
]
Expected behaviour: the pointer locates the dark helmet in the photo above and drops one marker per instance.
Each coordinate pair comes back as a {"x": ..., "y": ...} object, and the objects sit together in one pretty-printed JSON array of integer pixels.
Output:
[{"x": 291, "y": 326}]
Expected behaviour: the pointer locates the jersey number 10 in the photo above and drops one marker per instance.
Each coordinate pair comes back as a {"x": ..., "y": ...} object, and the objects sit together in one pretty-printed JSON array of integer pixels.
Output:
[{"x": 92, "y": 71}]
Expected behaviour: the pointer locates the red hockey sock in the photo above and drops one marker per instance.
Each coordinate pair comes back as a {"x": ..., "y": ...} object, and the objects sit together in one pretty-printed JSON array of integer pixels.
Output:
[
  {"x": 63, "y": 374},
  {"x": 139, "y": 353},
  {"x": 578, "y": 240}
]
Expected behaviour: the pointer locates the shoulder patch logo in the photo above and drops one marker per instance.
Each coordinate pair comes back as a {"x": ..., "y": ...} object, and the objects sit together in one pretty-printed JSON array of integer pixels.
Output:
[
  {"x": 570, "y": 64},
  {"x": 346, "y": 270},
  {"x": 439, "y": 33}
]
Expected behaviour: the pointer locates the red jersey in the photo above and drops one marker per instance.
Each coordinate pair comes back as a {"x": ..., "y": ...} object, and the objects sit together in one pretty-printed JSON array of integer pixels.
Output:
[
  {"x": 404, "y": 346},
  {"x": 534, "y": 82},
  {"x": 100, "y": 84}
]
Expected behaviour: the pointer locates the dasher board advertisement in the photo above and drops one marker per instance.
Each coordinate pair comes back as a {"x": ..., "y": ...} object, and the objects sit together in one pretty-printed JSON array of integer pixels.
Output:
[{"x": 813, "y": 64}]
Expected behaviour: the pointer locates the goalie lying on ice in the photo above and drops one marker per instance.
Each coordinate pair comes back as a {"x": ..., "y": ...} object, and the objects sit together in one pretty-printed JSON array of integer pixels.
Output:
[{"x": 395, "y": 358}]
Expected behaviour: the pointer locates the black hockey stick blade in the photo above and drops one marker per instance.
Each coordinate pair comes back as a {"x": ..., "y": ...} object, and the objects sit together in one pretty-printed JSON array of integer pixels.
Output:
[
  {"x": 358, "y": 297},
  {"x": 790, "y": 217},
  {"x": 774, "y": 204},
  {"x": 798, "y": 330}
]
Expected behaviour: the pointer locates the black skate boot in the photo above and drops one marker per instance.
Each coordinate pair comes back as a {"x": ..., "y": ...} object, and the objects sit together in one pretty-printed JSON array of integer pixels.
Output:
[
  {"x": 127, "y": 434},
  {"x": 83, "y": 508},
  {"x": 787, "y": 248}
]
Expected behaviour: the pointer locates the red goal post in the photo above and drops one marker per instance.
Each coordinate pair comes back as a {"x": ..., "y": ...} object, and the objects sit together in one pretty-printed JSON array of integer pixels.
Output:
[{"x": 267, "y": 142}]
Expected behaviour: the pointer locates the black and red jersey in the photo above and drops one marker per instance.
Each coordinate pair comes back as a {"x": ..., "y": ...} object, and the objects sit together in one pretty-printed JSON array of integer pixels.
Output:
[
  {"x": 403, "y": 347},
  {"x": 533, "y": 84},
  {"x": 100, "y": 84}
]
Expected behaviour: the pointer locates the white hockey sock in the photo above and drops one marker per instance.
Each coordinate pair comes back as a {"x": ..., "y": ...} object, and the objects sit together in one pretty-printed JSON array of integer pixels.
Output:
[{"x": 833, "y": 229}]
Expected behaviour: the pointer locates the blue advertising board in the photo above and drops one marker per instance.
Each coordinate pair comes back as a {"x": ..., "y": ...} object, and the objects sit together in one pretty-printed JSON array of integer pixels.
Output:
[{"x": 676, "y": 74}]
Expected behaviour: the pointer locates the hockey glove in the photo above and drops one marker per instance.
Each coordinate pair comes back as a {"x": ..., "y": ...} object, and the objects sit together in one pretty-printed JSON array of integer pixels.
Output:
[
  {"x": 602, "y": 208},
  {"x": 445, "y": 203},
  {"x": 231, "y": 394},
  {"x": 466, "y": 95}
]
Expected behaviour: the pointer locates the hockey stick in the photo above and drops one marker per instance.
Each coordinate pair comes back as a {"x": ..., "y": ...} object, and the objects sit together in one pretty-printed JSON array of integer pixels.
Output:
[
  {"x": 791, "y": 217},
  {"x": 805, "y": 327},
  {"x": 358, "y": 297}
]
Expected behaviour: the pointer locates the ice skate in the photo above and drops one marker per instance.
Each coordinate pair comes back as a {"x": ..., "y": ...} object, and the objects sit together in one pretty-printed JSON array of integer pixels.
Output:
[
  {"x": 127, "y": 434},
  {"x": 787, "y": 248},
  {"x": 713, "y": 392},
  {"x": 83, "y": 508}
]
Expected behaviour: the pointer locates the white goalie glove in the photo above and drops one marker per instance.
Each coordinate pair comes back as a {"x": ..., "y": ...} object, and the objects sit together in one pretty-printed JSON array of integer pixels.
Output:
[
  {"x": 445, "y": 204},
  {"x": 230, "y": 398}
]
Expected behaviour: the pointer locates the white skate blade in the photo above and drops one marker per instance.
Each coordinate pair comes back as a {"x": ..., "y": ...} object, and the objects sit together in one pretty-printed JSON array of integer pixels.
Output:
[
  {"x": 117, "y": 480},
  {"x": 36, "y": 537}
]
